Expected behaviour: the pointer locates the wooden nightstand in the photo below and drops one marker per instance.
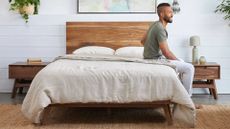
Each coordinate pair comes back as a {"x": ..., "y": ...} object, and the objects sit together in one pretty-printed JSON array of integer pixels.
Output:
[
  {"x": 205, "y": 75},
  {"x": 23, "y": 73}
]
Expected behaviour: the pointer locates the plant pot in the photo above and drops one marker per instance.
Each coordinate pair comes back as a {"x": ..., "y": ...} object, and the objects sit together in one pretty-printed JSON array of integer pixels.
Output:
[{"x": 27, "y": 9}]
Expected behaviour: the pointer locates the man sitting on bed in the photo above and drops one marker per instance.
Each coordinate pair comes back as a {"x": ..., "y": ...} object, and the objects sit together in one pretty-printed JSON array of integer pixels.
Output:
[{"x": 156, "y": 46}]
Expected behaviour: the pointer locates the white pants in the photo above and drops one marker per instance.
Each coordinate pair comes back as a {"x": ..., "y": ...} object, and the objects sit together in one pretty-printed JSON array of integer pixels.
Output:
[{"x": 186, "y": 73}]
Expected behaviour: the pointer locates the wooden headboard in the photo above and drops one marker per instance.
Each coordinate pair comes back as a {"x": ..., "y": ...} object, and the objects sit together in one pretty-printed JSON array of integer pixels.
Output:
[{"x": 108, "y": 34}]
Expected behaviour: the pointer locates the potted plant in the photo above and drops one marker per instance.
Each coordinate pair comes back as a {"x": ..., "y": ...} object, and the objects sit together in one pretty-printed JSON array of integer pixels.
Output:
[
  {"x": 25, "y": 7},
  {"x": 224, "y": 7}
]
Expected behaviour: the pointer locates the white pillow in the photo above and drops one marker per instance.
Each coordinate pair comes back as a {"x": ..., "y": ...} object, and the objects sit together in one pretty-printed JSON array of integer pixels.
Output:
[
  {"x": 94, "y": 50},
  {"x": 135, "y": 52}
]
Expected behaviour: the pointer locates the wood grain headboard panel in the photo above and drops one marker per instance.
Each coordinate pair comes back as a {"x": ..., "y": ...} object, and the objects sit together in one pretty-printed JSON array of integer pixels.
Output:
[{"x": 108, "y": 34}]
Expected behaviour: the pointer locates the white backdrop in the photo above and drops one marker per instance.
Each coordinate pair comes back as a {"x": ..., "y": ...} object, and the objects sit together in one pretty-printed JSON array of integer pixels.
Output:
[{"x": 44, "y": 35}]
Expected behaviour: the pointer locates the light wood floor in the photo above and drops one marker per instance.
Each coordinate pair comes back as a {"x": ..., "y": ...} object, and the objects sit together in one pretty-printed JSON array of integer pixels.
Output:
[{"x": 5, "y": 98}]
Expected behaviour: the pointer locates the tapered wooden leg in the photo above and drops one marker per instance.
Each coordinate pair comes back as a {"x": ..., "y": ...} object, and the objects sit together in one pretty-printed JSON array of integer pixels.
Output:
[
  {"x": 20, "y": 90},
  {"x": 214, "y": 89},
  {"x": 15, "y": 88},
  {"x": 210, "y": 91},
  {"x": 168, "y": 114}
]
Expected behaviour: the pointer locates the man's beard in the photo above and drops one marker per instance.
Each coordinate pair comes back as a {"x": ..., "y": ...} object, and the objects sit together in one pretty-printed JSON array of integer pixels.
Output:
[{"x": 168, "y": 20}]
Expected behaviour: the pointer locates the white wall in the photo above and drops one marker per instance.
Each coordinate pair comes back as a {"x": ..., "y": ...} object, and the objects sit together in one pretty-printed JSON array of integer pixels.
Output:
[{"x": 44, "y": 35}]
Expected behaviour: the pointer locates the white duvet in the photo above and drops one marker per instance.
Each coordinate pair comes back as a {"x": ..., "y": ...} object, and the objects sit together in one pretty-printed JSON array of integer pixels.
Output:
[{"x": 72, "y": 79}]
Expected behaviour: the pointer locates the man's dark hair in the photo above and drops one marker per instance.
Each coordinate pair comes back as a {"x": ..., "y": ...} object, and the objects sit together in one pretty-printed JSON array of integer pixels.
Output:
[{"x": 162, "y": 5}]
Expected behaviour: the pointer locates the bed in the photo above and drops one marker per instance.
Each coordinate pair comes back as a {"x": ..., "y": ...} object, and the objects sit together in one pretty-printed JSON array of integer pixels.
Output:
[{"x": 53, "y": 86}]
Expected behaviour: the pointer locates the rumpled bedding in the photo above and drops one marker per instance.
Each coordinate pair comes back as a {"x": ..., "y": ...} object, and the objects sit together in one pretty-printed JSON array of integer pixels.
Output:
[{"x": 87, "y": 78}]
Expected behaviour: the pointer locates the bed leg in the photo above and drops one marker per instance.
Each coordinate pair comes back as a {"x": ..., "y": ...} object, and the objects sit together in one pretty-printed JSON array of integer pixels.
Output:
[
  {"x": 168, "y": 114},
  {"x": 45, "y": 113}
]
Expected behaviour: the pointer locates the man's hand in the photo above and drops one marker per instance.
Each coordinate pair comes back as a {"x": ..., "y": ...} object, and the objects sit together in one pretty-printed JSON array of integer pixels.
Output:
[{"x": 143, "y": 39}]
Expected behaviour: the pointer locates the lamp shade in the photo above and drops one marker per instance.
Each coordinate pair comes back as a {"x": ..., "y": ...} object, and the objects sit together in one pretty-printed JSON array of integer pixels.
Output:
[{"x": 194, "y": 41}]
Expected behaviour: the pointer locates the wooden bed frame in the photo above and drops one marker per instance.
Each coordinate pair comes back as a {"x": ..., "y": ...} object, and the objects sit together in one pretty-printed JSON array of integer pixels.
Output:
[{"x": 113, "y": 35}]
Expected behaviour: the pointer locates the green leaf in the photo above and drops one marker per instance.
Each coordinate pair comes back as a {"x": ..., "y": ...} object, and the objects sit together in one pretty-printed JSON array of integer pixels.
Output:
[
  {"x": 18, "y": 4},
  {"x": 224, "y": 8}
]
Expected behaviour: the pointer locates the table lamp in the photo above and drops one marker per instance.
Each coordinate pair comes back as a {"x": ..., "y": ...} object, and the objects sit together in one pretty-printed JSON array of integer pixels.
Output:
[{"x": 194, "y": 41}]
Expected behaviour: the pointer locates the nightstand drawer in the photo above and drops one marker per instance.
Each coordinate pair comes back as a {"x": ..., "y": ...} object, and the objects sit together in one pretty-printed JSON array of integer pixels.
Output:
[
  {"x": 23, "y": 72},
  {"x": 207, "y": 72}
]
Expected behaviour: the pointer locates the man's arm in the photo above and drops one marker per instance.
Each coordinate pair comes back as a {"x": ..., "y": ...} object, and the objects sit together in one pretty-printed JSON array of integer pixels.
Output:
[
  {"x": 166, "y": 52},
  {"x": 144, "y": 39}
]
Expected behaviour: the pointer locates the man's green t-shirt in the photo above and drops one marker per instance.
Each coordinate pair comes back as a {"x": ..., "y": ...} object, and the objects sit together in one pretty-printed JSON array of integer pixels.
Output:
[{"x": 155, "y": 35}]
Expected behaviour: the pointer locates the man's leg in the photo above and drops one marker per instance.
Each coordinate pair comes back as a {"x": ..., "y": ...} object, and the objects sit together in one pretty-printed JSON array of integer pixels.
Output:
[{"x": 186, "y": 71}]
